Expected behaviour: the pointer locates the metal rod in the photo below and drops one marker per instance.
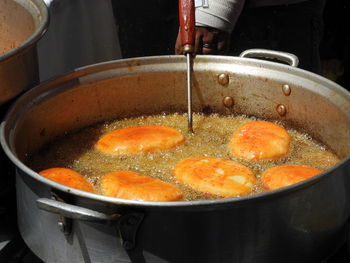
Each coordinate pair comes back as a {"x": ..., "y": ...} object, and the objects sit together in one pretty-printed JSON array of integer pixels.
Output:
[{"x": 189, "y": 91}]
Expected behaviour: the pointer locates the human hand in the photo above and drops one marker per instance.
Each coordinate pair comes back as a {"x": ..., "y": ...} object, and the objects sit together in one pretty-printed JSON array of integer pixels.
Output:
[{"x": 207, "y": 41}]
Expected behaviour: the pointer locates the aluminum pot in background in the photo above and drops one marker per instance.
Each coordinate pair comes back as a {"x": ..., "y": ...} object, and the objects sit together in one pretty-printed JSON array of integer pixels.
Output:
[
  {"x": 305, "y": 222},
  {"x": 19, "y": 66}
]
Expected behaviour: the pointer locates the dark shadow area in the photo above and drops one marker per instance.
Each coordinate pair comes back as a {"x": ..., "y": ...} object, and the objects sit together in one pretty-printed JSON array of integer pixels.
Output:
[{"x": 335, "y": 45}]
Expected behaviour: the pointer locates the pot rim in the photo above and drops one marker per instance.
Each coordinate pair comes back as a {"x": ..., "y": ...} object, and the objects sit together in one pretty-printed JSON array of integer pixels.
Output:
[
  {"x": 36, "y": 35},
  {"x": 95, "y": 68}
]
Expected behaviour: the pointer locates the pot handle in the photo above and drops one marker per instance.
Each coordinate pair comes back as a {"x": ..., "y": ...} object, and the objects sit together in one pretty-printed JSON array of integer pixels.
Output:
[
  {"x": 290, "y": 59},
  {"x": 127, "y": 224},
  {"x": 74, "y": 212}
]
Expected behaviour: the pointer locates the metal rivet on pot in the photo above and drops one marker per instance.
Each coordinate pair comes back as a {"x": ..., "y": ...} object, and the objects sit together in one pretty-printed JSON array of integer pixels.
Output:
[
  {"x": 281, "y": 110},
  {"x": 223, "y": 79},
  {"x": 286, "y": 89},
  {"x": 228, "y": 102}
]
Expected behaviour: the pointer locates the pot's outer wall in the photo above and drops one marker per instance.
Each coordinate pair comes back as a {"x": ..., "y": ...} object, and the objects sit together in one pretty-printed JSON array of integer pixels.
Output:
[
  {"x": 303, "y": 226},
  {"x": 301, "y": 223}
]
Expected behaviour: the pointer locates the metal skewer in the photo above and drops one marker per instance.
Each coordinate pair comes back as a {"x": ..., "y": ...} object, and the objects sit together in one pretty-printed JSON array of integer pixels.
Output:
[
  {"x": 187, "y": 31},
  {"x": 189, "y": 60}
]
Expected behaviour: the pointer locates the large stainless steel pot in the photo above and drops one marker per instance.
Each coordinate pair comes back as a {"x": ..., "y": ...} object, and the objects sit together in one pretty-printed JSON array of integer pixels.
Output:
[
  {"x": 300, "y": 223},
  {"x": 18, "y": 66}
]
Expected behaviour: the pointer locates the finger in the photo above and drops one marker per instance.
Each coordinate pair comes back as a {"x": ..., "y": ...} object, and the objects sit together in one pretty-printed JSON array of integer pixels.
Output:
[
  {"x": 210, "y": 42},
  {"x": 209, "y": 51},
  {"x": 223, "y": 47},
  {"x": 223, "y": 43},
  {"x": 198, "y": 42}
]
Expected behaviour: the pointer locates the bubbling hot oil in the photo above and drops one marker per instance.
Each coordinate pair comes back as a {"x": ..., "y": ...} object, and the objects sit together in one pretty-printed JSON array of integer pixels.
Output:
[{"x": 211, "y": 138}]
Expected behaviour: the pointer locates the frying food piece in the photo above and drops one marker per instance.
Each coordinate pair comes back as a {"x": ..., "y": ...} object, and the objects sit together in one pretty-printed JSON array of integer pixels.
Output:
[
  {"x": 134, "y": 186},
  {"x": 68, "y": 177},
  {"x": 215, "y": 176},
  {"x": 258, "y": 140},
  {"x": 281, "y": 176},
  {"x": 140, "y": 139}
]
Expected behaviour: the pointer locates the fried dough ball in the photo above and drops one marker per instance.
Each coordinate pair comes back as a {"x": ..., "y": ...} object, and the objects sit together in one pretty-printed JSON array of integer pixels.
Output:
[
  {"x": 134, "y": 186},
  {"x": 67, "y": 177},
  {"x": 215, "y": 176},
  {"x": 281, "y": 176},
  {"x": 140, "y": 139},
  {"x": 259, "y": 140}
]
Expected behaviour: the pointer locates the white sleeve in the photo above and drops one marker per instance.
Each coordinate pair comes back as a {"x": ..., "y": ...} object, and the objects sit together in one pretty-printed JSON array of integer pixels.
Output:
[
  {"x": 220, "y": 14},
  {"x": 48, "y": 2}
]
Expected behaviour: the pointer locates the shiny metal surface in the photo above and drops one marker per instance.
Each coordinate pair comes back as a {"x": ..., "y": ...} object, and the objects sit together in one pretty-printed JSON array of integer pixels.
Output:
[
  {"x": 228, "y": 102},
  {"x": 288, "y": 58},
  {"x": 281, "y": 109},
  {"x": 18, "y": 66},
  {"x": 223, "y": 79},
  {"x": 88, "y": 242},
  {"x": 74, "y": 212},
  {"x": 286, "y": 89},
  {"x": 304, "y": 222}
]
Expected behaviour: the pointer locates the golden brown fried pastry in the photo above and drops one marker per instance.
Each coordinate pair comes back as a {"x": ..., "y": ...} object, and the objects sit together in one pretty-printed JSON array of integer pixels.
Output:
[
  {"x": 258, "y": 140},
  {"x": 281, "y": 176},
  {"x": 215, "y": 176},
  {"x": 140, "y": 139},
  {"x": 134, "y": 186},
  {"x": 68, "y": 177}
]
